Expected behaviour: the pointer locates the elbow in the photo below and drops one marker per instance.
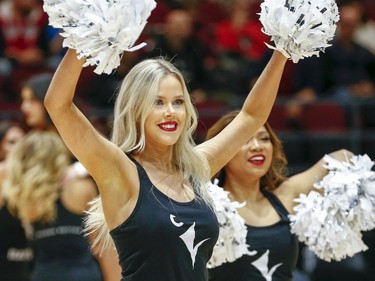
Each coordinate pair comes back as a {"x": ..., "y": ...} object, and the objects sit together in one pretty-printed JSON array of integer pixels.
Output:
[
  {"x": 49, "y": 104},
  {"x": 262, "y": 119},
  {"x": 259, "y": 119},
  {"x": 342, "y": 154},
  {"x": 53, "y": 105}
]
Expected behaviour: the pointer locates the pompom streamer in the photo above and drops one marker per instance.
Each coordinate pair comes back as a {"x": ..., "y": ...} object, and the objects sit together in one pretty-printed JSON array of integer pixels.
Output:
[
  {"x": 100, "y": 30},
  {"x": 299, "y": 28},
  {"x": 231, "y": 243},
  {"x": 331, "y": 223}
]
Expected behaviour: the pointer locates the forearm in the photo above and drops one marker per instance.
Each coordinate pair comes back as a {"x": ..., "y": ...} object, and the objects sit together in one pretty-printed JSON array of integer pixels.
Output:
[
  {"x": 62, "y": 88},
  {"x": 109, "y": 264},
  {"x": 305, "y": 181},
  {"x": 261, "y": 98}
]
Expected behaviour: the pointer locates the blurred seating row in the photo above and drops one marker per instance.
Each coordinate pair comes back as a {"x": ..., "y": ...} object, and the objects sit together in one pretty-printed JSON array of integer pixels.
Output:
[
  {"x": 323, "y": 127},
  {"x": 315, "y": 117}
]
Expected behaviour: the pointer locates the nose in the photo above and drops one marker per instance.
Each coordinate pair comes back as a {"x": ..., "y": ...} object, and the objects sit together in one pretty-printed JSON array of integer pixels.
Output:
[
  {"x": 23, "y": 106},
  {"x": 169, "y": 111},
  {"x": 255, "y": 145}
]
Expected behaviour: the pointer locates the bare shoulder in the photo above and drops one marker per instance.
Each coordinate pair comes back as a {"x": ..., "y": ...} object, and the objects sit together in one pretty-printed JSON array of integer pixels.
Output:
[{"x": 285, "y": 193}]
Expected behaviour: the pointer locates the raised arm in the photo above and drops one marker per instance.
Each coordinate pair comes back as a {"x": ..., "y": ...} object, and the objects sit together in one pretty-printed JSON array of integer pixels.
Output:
[
  {"x": 304, "y": 182},
  {"x": 253, "y": 115},
  {"x": 79, "y": 135},
  {"x": 99, "y": 156}
]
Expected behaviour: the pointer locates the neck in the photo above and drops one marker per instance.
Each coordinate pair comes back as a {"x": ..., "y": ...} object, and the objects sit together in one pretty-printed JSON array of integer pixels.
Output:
[
  {"x": 243, "y": 189},
  {"x": 156, "y": 161}
]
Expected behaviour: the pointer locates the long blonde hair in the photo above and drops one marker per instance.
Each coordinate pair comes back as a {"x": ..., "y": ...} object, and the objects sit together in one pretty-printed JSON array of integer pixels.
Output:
[
  {"x": 135, "y": 101},
  {"x": 35, "y": 168}
]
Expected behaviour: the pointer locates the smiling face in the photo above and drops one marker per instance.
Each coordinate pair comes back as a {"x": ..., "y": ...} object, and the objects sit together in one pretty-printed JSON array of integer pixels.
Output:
[
  {"x": 254, "y": 158},
  {"x": 164, "y": 125}
]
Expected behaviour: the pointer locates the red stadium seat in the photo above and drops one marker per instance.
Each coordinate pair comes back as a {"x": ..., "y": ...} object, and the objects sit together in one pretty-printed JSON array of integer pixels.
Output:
[
  {"x": 208, "y": 113},
  {"x": 278, "y": 118},
  {"x": 324, "y": 117}
]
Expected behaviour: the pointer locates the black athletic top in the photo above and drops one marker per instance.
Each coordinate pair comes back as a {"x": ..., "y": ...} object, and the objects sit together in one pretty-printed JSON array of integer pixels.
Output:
[
  {"x": 276, "y": 252},
  {"x": 62, "y": 253},
  {"x": 15, "y": 253},
  {"x": 165, "y": 240}
]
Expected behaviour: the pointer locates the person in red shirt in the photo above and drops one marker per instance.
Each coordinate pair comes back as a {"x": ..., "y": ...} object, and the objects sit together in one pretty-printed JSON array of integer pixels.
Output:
[{"x": 24, "y": 44}]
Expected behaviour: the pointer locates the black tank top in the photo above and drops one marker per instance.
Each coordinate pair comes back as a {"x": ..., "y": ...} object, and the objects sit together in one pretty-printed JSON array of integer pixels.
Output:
[
  {"x": 165, "y": 240},
  {"x": 15, "y": 253},
  {"x": 276, "y": 252},
  {"x": 62, "y": 253}
]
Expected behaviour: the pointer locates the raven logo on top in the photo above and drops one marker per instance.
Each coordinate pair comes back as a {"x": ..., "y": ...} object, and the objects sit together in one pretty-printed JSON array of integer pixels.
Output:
[{"x": 188, "y": 237}]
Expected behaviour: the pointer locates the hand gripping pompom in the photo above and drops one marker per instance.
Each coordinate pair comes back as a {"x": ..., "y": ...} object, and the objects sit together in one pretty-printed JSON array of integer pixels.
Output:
[
  {"x": 331, "y": 224},
  {"x": 231, "y": 243},
  {"x": 299, "y": 28},
  {"x": 100, "y": 30}
]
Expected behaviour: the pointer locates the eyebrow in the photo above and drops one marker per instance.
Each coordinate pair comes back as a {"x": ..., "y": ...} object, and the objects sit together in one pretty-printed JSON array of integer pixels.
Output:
[
  {"x": 263, "y": 133},
  {"x": 176, "y": 97}
]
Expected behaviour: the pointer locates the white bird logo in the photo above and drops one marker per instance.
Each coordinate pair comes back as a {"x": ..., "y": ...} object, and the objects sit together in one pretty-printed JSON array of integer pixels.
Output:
[
  {"x": 262, "y": 265},
  {"x": 188, "y": 237}
]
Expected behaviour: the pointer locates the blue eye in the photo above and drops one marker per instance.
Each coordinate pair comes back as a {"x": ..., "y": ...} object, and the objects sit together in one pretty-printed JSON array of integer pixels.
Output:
[
  {"x": 158, "y": 102},
  {"x": 179, "y": 101}
]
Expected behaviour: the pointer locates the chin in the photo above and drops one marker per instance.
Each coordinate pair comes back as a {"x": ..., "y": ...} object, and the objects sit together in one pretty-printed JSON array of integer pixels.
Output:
[
  {"x": 258, "y": 172},
  {"x": 170, "y": 142}
]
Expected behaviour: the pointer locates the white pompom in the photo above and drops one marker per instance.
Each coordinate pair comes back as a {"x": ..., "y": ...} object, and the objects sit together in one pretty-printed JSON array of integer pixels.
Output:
[
  {"x": 231, "y": 243},
  {"x": 319, "y": 224},
  {"x": 100, "y": 30},
  {"x": 299, "y": 28},
  {"x": 331, "y": 224}
]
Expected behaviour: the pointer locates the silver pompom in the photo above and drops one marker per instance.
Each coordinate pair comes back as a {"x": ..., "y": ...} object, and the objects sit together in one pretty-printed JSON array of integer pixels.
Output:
[
  {"x": 100, "y": 30},
  {"x": 231, "y": 243},
  {"x": 331, "y": 223},
  {"x": 299, "y": 28}
]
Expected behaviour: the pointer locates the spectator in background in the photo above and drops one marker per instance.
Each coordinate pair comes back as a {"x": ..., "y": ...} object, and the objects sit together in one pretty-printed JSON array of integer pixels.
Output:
[
  {"x": 346, "y": 70},
  {"x": 207, "y": 15},
  {"x": 32, "y": 94},
  {"x": 55, "y": 44},
  {"x": 24, "y": 44},
  {"x": 178, "y": 43},
  {"x": 15, "y": 253},
  {"x": 240, "y": 45},
  {"x": 365, "y": 33},
  {"x": 242, "y": 33},
  {"x": 344, "y": 73}
]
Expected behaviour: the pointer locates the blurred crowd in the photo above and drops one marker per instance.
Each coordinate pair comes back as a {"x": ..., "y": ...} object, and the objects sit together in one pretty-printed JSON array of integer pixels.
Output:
[
  {"x": 219, "y": 45},
  {"x": 220, "y": 48}
]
